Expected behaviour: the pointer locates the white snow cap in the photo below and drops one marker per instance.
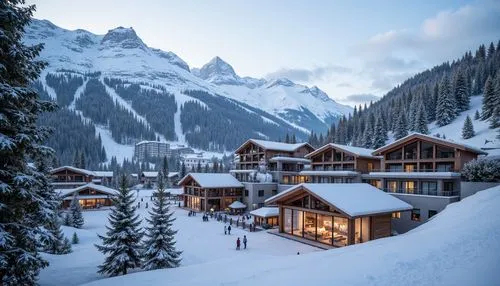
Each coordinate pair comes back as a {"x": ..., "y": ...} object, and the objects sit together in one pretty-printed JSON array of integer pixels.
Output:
[
  {"x": 358, "y": 151},
  {"x": 73, "y": 169},
  {"x": 237, "y": 205},
  {"x": 213, "y": 180},
  {"x": 273, "y": 145},
  {"x": 357, "y": 199},
  {"x": 266, "y": 212}
]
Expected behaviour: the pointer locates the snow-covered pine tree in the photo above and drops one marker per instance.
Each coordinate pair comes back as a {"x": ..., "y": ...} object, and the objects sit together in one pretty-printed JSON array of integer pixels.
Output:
[
  {"x": 378, "y": 135},
  {"x": 198, "y": 167},
  {"x": 183, "y": 170},
  {"x": 123, "y": 237},
  {"x": 27, "y": 204},
  {"x": 68, "y": 220},
  {"x": 495, "y": 115},
  {"x": 56, "y": 243},
  {"x": 401, "y": 128},
  {"x": 412, "y": 113},
  {"x": 488, "y": 99},
  {"x": 477, "y": 116},
  {"x": 468, "y": 128},
  {"x": 421, "y": 120},
  {"x": 445, "y": 109},
  {"x": 75, "y": 239},
  {"x": 460, "y": 91},
  {"x": 75, "y": 209},
  {"x": 159, "y": 246}
]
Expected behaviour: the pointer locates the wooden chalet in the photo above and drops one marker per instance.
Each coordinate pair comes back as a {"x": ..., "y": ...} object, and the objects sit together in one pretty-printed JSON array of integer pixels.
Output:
[
  {"x": 67, "y": 177},
  {"x": 210, "y": 191},
  {"x": 266, "y": 215},
  {"x": 89, "y": 196},
  {"x": 336, "y": 214}
]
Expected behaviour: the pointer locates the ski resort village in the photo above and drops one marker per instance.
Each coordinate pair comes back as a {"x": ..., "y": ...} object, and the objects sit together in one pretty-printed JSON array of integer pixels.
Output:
[{"x": 364, "y": 149}]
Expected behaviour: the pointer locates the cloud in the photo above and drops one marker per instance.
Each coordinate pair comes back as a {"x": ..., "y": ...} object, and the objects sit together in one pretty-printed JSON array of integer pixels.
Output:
[
  {"x": 361, "y": 98},
  {"x": 309, "y": 75},
  {"x": 344, "y": 84}
]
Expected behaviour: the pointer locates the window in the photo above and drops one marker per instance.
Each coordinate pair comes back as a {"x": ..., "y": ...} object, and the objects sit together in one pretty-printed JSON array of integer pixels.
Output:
[
  {"x": 274, "y": 192},
  {"x": 432, "y": 213},
  {"x": 415, "y": 215},
  {"x": 392, "y": 186},
  {"x": 396, "y": 215},
  {"x": 370, "y": 167},
  {"x": 261, "y": 193},
  {"x": 246, "y": 193},
  {"x": 411, "y": 151},
  {"x": 395, "y": 155},
  {"x": 287, "y": 219},
  {"x": 429, "y": 188},
  {"x": 445, "y": 167},
  {"x": 444, "y": 152},
  {"x": 426, "y": 150}
]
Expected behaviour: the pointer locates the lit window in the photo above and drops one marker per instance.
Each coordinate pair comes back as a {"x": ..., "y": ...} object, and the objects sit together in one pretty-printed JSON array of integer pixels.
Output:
[
  {"x": 396, "y": 215},
  {"x": 415, "y": 215}
]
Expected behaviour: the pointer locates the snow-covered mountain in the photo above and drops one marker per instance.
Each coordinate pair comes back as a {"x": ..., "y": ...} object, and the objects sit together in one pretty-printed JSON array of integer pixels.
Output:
[{"x": 120, "y": 53}]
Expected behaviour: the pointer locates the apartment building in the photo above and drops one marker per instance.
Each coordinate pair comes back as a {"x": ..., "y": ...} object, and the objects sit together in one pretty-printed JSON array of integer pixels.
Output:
[{"x": 151, "y": 149}]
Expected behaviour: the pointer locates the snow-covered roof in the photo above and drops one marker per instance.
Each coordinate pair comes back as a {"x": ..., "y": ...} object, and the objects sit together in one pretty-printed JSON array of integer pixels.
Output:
[
  {"x": 150, "y": 174},
  {"x": 357, "y": 199},
  {"x": 173, "y": 174},
  {"x": 289, "y": 159},
  {"x": 447, "y": 142},
  {"x": 435, "y": 175},
  {"x": 329, "y": 173},
  {"x": 237, "y": 205},
  {"x": 273, "y": 145},
  {"x": 357, "y": 151},
  {"x": 266, "y": 212},
  {"x": 73, "y": 169},
  {"x": 213, "y": 180},
  {"x": 100, "y": 188},
  {"x": 175, "y": 191},
  {"x": 103, "y": 173},
  {"x": 145, "y": 141},
  {"x": 241, "y": 171},
  {"x": 69, "y": 198}
]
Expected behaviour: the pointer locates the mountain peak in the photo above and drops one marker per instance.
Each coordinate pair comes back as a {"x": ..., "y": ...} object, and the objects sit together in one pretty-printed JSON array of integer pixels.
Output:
[
  {"x": 122, "y": 37},
  {"x": 218, "y": 71},
  {"x": 318, "y": 93},
  {"x": 280, "y": 82}
]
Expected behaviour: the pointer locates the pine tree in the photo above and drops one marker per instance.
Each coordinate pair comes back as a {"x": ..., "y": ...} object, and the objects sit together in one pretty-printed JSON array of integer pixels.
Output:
[
  {"x": 27, "y": 201},
  {"x": 495, "y": 102},
  {"x": 477, "y": 116},
  {"x": 75, "y": 210},
  {"x": 460, "y": 92},
  {"x": 468, "y": 129},
  {"x": 401, "y": 127},
  {"x": 82, "y": 165},
  {"x": 445, "y": 110},
  {"x": 164, "y": 167},
  {"x": 68, "y": 220},
  {"x": 488, "y": 99},
  {"x": 75, "y": 239},
  {"x": 378, "y": 135},
  {"x": 207, "y": 169},
  {"x": 367, "y": 136},
  {"x": 421, "y": 120},
  {"x": 56, "y": 243},
  {"x": 123, "y": 237},
  {"x": 76, "y": 159},
  {"x": 198, "y": 167},
  {"x": 183, "y": 170},
  {"x": 159, "y": 246},
  {"x": 294, "y": 139},
  {"x": 412, "y": 113}
]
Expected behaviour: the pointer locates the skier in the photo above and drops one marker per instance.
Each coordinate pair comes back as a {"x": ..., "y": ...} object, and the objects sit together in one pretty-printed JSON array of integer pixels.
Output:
[
  {"x": 238, "y": 244},
  {"x": 244, "y": 242},
  {"x": 229, "y": 230},
  {"x": 225, "y": 230}
]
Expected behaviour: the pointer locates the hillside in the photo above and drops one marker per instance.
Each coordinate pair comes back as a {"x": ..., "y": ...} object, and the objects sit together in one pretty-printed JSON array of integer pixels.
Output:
[
  {"x": 115, "y": 82},
  {"x": 457, "y": 247}
]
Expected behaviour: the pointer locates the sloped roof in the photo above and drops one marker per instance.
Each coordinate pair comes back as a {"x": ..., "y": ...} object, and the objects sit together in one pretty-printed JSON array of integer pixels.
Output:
[
  {"x": 73, "y": 169},
  {"x": 103, "y": 173},
  {"x": 150, "y": 174},
  {"x": 266, "y": 212},
  {"x": 100, "y": 188},
  {"x": 355, "y": 199},
  {"x": 213, "y": 180},
  {"x": 357, "y": 151},
  {"x": 237, "y": 205},
  {"x": 273, "y": 145},
  {"x": 446, "y": 142}
]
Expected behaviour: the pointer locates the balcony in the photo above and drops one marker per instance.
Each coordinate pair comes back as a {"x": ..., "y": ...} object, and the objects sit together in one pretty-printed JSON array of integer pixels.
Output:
[
  {"x": 440, "y": 170},
  {"x": 416, "y": 191}
]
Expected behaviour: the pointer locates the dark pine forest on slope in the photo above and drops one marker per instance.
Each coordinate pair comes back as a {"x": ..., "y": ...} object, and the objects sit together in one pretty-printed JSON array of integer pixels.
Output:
[{"x": 438, "y": 94}]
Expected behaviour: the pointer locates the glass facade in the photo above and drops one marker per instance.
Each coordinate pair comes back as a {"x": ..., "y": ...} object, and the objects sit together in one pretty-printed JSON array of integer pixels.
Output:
[{"x": 326, "y": 229}]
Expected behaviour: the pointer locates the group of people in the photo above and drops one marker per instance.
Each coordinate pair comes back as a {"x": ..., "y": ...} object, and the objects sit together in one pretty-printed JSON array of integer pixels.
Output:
[
  {"x": 191, "y": 213},
  {"x": 238, "y": 243},
  {"x": 205, "y": 217}
]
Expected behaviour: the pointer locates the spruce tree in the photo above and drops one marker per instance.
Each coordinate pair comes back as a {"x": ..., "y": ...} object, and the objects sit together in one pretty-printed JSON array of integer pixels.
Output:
[
  {"x": 488, "y": 99},
  {"x": 367, "y": 139},
  {"x": 27, "y": 203},
  {"x": 68, "y": 220},
  {"x": 207, "y": 168},
  {"x": 460, "y": 92},
  {"x": 183, "y": 170},
  {"x": 378, "y": 135},
  {"x": 198, "y": 167},
  {"x": 159, "y": 246},
  {"x": 121, "y": 245},
  {"x": 75, "y": 209},
  {"x": 401, "y": 128},
  {"x": 75, "y": 239},
  {"x": 495, "y": 101},
  {"x": 421, "y": 120},
  {"x": 468, "y": 128},
  {"x": 445, "y": 109},
  {"x": 477, "y": 116},
  {"x": 56, "y": 243}
]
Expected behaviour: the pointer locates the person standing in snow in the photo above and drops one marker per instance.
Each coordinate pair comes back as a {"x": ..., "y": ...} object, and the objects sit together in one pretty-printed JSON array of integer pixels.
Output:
[
  {"x": 229, "y": 230},
  {"x": 238, "y": 244},
  {"x": 245, "y": 242},
  {"x": 225, "y": 230}
]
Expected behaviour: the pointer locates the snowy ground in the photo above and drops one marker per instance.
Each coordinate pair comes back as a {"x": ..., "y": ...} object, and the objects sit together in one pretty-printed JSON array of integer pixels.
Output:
[
  {"x": 459, "y": 246},
  {"x": 202, "y": 242}
]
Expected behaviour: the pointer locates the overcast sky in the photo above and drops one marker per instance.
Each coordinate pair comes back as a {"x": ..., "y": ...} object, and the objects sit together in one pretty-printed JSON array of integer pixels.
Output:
[{"x": 353, "y": 50}]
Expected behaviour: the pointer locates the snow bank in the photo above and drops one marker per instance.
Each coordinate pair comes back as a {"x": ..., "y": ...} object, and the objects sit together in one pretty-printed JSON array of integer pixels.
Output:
[{"x": 459, "y": 246}]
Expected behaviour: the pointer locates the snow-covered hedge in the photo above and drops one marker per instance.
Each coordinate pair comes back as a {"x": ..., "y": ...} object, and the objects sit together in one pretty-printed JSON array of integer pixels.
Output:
[{"x": 482, "y": 170}]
